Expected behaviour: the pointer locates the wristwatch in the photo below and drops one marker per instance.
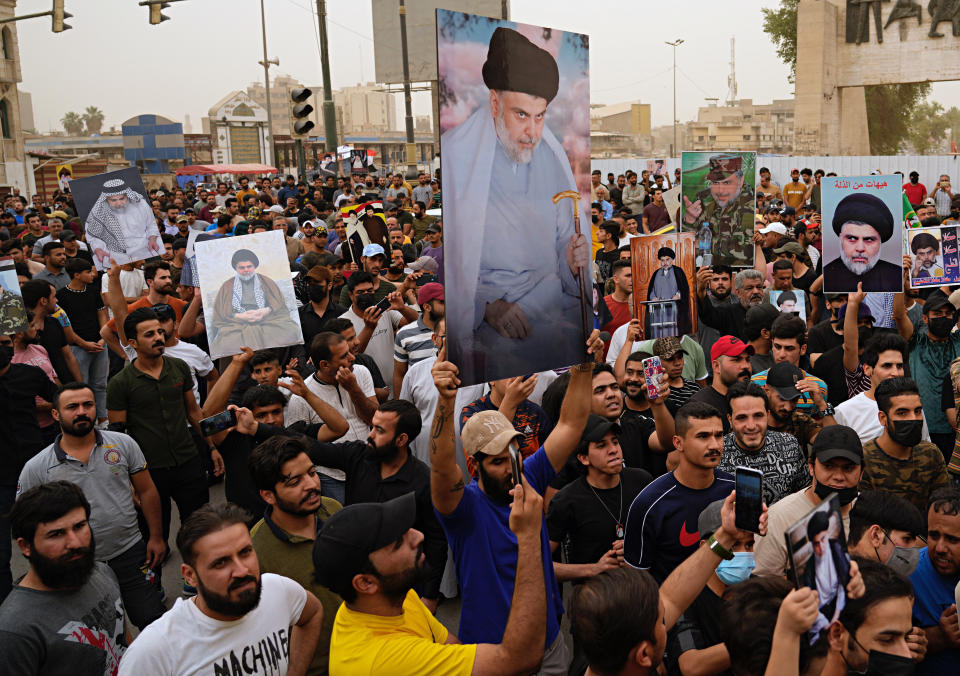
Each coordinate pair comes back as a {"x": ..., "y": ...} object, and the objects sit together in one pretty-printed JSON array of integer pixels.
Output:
[
  {"x": 825, "y": 412},
  {"x": 719, "y": 549}
]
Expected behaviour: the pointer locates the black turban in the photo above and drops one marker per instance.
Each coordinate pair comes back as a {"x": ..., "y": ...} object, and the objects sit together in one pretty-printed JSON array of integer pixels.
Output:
[
  {"x": 666, "y": 251},
  {"x": 820, "y": 521},
  {"x": 785, "y": 296},
  {"x": 517, "y": 65},
  {"x": 244, "y": 255},
  {"x": 924, "y": 240},
  {"x": 867, "y": 209}
]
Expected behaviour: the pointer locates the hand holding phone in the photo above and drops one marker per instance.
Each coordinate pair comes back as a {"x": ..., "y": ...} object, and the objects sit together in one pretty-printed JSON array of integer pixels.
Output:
[
  {"x": 516, "y": 462},
  {"x": 218, "y": 423},
  {"x": 749, "y": 499},
  {"x": 384, "y": 304},
  {"x": 652, "y": 375}
]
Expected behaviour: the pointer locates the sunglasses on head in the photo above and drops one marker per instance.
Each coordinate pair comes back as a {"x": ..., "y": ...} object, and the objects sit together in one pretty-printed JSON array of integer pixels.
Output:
[{"x": 164, "y": 311}]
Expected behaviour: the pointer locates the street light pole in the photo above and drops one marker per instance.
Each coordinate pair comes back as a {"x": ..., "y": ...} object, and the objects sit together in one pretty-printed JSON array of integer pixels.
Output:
[
  {"x": 411, "y": 156},
  {"x": 329, "y": 112},
  {"x": 266, "y": 85},
  {"x": 676, "y": 43}
]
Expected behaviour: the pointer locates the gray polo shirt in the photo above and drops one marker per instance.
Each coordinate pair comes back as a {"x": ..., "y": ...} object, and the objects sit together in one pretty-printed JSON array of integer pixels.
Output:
[
  {"x": 59, "y": 280},
  {"x": 105, "y": 481}
]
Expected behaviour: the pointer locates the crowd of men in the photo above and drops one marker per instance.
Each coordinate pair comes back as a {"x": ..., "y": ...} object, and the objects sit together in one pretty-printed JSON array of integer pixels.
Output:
[{"x": 365, "y": 487}]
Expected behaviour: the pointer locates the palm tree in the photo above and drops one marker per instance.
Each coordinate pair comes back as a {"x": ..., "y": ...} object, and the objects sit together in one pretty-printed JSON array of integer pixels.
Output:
[
  {"x": 72, "y": 123},
  {"x": 93, "y": 118}
]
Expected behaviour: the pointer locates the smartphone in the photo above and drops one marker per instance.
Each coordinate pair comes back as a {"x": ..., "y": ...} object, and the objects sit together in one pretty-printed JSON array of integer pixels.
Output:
[
  {"x": 218, "y": 423},
  {"x": 652, "y": 372},
  {"x": 383, "y": 305},
  {"x": 749, "y": 499},
  {"x": 516, "y": 462}
]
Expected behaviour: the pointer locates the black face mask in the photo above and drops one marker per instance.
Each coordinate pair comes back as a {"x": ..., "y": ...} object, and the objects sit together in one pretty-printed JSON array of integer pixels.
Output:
[
  {"x": 941, "y": 327},
  {"x": 845, "y": 495},
  {"x": 882, "y": 664},
  {"x": 595, "y": 219},
  {"x": 906, "y": 432},
  {"x": 365, "y": 300},
  {"x": 317, "y": 292},
  {"x": 6, "y": 355}
]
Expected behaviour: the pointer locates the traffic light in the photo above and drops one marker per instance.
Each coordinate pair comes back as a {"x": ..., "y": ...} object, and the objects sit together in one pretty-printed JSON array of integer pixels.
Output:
[
  {"x": 59, "y": 14},
  {"x": 299, "y": 110},
  {"x": 156, "y": 15}
]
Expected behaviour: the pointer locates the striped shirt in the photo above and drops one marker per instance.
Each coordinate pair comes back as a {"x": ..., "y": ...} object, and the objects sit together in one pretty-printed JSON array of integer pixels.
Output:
[
  {"x": 805, "y": 402},
  {"x": 413, "y": 343}
]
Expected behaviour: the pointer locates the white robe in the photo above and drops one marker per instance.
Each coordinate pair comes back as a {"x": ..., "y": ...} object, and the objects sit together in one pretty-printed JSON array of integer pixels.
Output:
[{"x": 138, "y": 224}]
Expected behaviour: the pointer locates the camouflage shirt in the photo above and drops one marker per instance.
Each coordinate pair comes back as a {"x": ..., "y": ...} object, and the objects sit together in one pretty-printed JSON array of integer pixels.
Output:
[
  {"x": 914, "y": 479},
  {"x": 732, "y": 226},
  {"x": 803, "y": 427},
  {"x": 12, "y": 315}
]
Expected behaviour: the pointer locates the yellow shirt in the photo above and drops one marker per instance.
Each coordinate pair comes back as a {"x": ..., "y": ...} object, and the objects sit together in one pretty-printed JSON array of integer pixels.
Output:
[
  {"x": 410, "y": 643},
  {"x": 793, "y": 193}
]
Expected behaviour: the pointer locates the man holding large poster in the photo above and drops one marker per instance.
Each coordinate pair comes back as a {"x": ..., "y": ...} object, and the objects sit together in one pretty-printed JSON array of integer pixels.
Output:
[{"x": 514, "y": 261}]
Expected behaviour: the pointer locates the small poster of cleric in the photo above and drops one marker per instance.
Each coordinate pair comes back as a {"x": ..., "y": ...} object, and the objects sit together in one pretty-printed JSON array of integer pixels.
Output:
[
  {"x": 718, "y": 201},
  {"x": 13, "y": 317},
  {"x": 515, "y": 150},
  {"x": 247, "y": 289},
  {"x": 117, "y": 217},
  {"x": 933, "y": 255},
  {"x": 862, "y": 234},
  {"x": 793, "y": 300},
  {"x": 663, "y": 275}
]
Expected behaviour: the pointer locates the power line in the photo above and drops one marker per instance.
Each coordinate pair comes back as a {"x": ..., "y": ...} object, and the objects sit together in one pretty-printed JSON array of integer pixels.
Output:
[
  {"x": 329, "y": 20},
  {"x": 690, "y": 79}
]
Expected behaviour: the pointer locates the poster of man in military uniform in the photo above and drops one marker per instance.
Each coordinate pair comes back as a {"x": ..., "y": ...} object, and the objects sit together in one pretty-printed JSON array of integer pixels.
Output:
[
  {"x": 13, "y": 317},
  {"x": 718, "y": 204}
]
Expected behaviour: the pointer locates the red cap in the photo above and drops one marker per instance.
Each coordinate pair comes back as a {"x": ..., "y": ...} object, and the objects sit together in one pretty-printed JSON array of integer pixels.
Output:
[
  {"x": 729, "y": 346},
  {"x": 428, "y": 292}
]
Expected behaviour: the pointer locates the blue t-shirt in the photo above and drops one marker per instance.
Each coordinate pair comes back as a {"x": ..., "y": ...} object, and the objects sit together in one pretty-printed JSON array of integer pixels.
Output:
[
  {"x": 932, "y": 594},
  {"x": 485, "y": 552},
  {"x": 662, "y": 529}
]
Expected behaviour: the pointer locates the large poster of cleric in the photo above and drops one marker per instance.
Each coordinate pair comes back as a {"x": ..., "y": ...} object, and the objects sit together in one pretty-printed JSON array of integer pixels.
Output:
[
  {"x": 934, "y": 259},
  {"x": 118, "y": 220},
  {"x": 718, "y": 202},
  {"x": 862, "y": 234},
  {"x": 248, "y": 296},
  {"x": 515, "y": 152}
]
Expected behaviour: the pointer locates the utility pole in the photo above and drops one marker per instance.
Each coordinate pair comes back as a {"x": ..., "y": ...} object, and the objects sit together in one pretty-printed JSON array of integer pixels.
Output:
[
  {"x": 329, "y": 113},
  {"x": 266, "y": 85},
  {"x": 411, "y": 156},
  {"x": 676, "y": 43}
]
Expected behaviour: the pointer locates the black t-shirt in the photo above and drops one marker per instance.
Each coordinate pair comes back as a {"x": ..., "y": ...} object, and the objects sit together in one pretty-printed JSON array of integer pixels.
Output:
[
  {"x": 53, "y": 339},
  {"x": 829, "y": 368},
  {"x": 82, "y": 308},
  {"x": 708, "y": 395},
  {"x": 805, "y": 280},
  {"x": 311, "y": 324},
  {"x": 584, "y": 518},
  {"x": 605, "y": 261},
  {"x": 946, "y": 393},
  {"x": 699, "y": 627},
  {"x": 822, "y": 337},
  {"x": 635, "y": 430}
]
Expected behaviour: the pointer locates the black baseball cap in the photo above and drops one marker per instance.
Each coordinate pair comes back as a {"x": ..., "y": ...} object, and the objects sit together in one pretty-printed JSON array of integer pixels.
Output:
[
  {"x": 597, "y": 427},
  {"x": 837, "y": 441},
  {"x": 783, "y": 378},
  {"x": 349, "y": 536}
]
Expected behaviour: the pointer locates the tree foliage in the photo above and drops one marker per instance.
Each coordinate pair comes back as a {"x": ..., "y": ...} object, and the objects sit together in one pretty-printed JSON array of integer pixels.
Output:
[
  {"x": 72, "y": 123},
  {"x": 93, "y": 119},
  {"x": 889, "y": 107}
]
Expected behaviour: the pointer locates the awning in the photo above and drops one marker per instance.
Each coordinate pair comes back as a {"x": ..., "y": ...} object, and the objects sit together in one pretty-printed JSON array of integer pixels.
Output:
[{"x": 205, "y": 169}]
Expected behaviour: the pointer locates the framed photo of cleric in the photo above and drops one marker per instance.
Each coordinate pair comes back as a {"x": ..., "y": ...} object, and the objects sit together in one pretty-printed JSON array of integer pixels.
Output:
[
  {"x": 933, "y": 255},
  {"x": 717, "y": 204},
  {"x": 794, "y": 300},
  {"x": 862, "y": 234},
  {"x": 118, "y": 220},
  {"x": 248, "y": 298},
  {"x": 13, "y": 316},
  {"x": 663, "y": 276},
  {"x": 515, "y": 149}
]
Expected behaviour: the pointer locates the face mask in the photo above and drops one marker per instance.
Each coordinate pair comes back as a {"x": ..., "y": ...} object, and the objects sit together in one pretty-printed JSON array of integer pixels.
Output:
[
  {"x": 6, "y": 354},
  {"x": 366, "y": 300},
  {"x": 906, "y": 432},
  {"x": 317, "y": 293},
  {"x": 882, "y": 664},
  {"x": 846, "y": 495},
  {"x": 736, "y": 569},
  {"x": 903, "y": 560},
  {"x": 941, "y": 326},
  {"x": 596, "y": 219},
  {"x": 864, "y": 333}
]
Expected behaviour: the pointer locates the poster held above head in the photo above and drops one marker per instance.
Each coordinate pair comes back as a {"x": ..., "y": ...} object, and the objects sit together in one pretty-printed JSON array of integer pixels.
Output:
[
  {"x": 657, "y": 167},
  {"x": 663, "y": 275},
  {"x": 862, "y": 234},
  {"x": 794, "y": 300},
  {"x": 515, "y": 144},
  {"x": 248, "y": 293},
  {"x": 718, "y": 203},
  {"x": 13, "y": 316},
  {"x": 934, "y": 256},
  {"x": 117, "y": 217}
]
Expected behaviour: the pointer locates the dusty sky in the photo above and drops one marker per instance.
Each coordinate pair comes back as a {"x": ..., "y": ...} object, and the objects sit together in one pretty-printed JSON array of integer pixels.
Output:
[{"x": 114, "y": 59}]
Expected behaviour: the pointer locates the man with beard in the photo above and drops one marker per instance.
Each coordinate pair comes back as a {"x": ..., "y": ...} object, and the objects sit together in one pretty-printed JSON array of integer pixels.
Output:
[
  {"x": 383, "y": 468},
  {"x": 249, "y": 310},
  {"x": 104, "y": 465},
  {"x": 730, "y": 358},
  {"x": 372, "y": 556},
  {"x": 728, "y": 206},
  {"x": 750, "y": 444},
  {"x": 289, "y": 483},
  {"x": 782, "y": 414},
  {"x": 748, "y": 285},
  {"x": 159, "y": 292},
  {"x": 926, "y": 248},
  {"x": 503, "y": 169},
  {"x": 413, "y": 342},
  {"x": 718, "y": 292},
  {"x": 121, "y": 226},
  {"x": 863, "y": 223},
  {"x": 65, "y": 615},
  {"x": 669, "y": 283},
  {"x": 476, "y": 516},
  {"x": 239, "y": 616}
]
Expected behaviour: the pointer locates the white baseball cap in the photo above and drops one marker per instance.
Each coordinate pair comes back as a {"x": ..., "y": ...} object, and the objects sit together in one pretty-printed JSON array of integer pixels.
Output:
[
  {"x": 778, "y": 228},
  {"x": 276, "y": 208}
]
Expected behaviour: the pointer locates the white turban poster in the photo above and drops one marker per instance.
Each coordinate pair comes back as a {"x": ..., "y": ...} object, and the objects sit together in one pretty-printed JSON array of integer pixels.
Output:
[
  {"x": 515, "y": 161},
  {"x": 118, "y": 220},
  {"x": 247, "y": 288}
]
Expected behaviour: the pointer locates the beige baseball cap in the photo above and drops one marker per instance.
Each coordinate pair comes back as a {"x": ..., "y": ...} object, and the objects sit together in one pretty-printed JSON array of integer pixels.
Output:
[{"x": 488, "y": 432}]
